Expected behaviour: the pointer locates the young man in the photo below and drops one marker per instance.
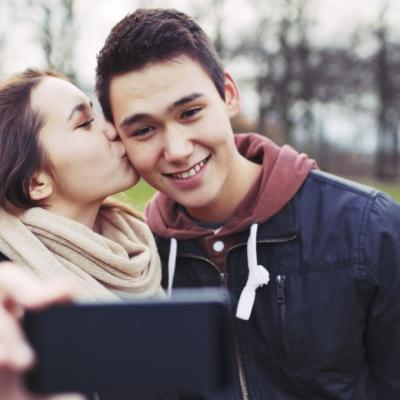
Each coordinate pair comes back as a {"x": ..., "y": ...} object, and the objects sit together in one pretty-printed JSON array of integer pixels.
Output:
[{"x": 312, "y": 261}]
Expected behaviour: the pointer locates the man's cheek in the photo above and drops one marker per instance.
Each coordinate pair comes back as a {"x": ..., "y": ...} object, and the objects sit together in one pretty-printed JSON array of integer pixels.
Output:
[
  {"x": 134, "y": 159},
  {"x": 143, "y": 166}
]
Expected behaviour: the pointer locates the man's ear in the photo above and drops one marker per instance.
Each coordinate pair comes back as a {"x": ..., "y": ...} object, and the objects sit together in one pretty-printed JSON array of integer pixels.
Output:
[
  {"x": 232, "y": 94},
  {"x": 40, "y": 186}
]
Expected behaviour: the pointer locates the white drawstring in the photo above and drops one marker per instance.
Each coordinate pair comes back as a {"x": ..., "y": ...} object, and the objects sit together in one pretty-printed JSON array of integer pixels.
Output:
[
  {"x": 258, "y": 276},
  {"x": 171, "y": 264}
]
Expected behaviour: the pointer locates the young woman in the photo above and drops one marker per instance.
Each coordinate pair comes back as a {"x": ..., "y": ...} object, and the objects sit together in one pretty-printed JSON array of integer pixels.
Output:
[{"x": 59, "y": 161}]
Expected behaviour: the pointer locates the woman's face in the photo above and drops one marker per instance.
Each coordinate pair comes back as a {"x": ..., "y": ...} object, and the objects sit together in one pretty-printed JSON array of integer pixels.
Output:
[{"x": 86, "y": 165}]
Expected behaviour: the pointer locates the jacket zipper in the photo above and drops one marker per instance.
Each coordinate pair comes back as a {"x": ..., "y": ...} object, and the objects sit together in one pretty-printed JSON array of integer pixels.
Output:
[
  {"x": 223, "y": 281},
  {"x": 265, "y": 241},
  {"x": 223, "y": 278},
  {"x": 242, "y": 378},
  {"x": 281, "y": 300}
]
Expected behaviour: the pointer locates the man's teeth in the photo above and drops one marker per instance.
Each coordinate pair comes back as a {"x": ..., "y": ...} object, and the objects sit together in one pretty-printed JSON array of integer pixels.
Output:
[{"x": 191, "y": 172}]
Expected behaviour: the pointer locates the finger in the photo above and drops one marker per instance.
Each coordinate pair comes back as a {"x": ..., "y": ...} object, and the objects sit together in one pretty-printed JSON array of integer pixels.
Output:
[
  {"x": 24, "y": 288},
  {"x": 11, "y": 387},
  {"x": 15, "y": 353},
  {"x": 51, "y": 292},
  {"x": 62, "y": 397}
]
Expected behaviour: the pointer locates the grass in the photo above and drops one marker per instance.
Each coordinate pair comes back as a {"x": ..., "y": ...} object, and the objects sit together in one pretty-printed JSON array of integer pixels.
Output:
[
  {"x": 391, "y": 188},
  {"x": 140, "y": 194}
]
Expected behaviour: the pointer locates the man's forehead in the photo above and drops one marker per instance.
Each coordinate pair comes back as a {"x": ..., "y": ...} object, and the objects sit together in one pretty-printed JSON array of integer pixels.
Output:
[
  {"x": 161, "y": 75},
  {"x": 159, "y": 85}
]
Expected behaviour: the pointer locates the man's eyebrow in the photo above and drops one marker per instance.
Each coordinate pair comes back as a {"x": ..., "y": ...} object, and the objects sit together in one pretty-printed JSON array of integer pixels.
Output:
[
  {"x": 133, "y": 119},
  {"x": 184, "y": 100},
  {"x": 79, "y": 107},
  {"x": 142, "y": 116}
]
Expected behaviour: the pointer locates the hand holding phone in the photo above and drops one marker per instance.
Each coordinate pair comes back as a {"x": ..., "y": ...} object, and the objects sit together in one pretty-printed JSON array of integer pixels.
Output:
[
  {"x": 143, "y": 348},
  {"x": 19, "y": 291}
]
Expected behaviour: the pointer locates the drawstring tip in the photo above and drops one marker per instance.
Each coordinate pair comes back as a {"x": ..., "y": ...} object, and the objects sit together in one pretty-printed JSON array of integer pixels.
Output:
[
  {"x": 246, "y": 302},
  {"x": 171, "y": 265},
  {"x": 258, "y": 277}
]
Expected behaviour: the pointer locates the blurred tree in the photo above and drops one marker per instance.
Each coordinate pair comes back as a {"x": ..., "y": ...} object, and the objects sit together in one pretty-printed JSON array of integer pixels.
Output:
[
  {"x": 294, "y": 76},
  {"x": 211, "y": 13},
  {"x": 57, "y": 33},
  {"x": 148, "y": 4},
  {"x": 387, "y": 79},
  {"x": 3, "y": 30},
  {"x": 54, "y": 24},
  {"x": 284, "y": 58},
  {"x": 218, "y": 14}
]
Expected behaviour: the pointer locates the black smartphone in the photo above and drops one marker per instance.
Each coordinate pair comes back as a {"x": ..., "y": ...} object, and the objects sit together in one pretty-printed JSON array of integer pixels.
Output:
[{"x": 133, "y": 349}]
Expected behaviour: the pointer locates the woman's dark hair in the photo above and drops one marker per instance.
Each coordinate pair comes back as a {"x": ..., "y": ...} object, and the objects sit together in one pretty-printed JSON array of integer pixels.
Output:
[
  {"x": 153, "y": 35},
  {"x": 20, "y": 152}
]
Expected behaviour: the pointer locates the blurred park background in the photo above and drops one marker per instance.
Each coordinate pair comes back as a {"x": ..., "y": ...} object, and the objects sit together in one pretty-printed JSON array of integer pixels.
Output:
[{"x": 322, "y": 75}]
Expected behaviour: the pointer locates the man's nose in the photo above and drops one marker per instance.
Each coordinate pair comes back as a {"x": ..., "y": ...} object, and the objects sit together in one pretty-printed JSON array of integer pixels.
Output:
[{"x": 177, "y": 146}]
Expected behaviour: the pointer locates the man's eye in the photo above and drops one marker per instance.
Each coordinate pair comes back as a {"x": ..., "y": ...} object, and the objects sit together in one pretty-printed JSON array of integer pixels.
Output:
[
  {"x": 191, "y": 112},
  {"x": 86, "y": 124},
  {"x": 143, "y": 131}
]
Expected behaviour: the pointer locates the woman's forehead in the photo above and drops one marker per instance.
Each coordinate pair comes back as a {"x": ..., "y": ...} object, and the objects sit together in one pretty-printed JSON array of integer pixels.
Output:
[{"x": 55, "y": 97}]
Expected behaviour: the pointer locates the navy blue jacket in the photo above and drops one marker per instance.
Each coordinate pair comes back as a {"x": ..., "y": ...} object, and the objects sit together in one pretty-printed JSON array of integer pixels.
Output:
[{"x": 327, "y": 326}]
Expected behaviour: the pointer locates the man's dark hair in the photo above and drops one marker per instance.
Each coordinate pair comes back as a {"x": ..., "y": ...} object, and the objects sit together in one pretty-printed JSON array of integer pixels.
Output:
[
  {"x": 153, "y": 35},
  {"x": 21, "y": 154}
]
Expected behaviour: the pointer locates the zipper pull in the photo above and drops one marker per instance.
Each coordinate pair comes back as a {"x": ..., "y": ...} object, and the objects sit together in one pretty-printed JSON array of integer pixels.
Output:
[{"x": 280, "y": 289}]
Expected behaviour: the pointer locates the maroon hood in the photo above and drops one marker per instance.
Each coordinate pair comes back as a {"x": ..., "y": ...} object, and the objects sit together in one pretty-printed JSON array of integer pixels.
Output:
[{"x": 284, "y": 171}]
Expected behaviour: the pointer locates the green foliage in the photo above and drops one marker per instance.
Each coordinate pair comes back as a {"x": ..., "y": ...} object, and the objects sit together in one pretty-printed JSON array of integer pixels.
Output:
[
  {"x": 393, "y": 189},
  {"x": 137, "y": 196}
]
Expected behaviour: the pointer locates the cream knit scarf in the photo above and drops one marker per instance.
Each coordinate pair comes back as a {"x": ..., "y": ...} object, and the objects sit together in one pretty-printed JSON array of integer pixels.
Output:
[{"x": 121, "y": 261}]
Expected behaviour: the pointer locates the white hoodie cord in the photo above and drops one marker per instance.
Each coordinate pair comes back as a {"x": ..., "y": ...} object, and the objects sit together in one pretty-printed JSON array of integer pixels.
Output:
[
  {"x": 258, "y": 276},
  {"x": 171, "y": 264}
]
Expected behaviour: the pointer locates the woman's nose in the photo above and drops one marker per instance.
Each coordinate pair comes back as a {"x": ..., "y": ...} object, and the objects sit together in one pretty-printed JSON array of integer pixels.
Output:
[{"x": 109, "y": 131}]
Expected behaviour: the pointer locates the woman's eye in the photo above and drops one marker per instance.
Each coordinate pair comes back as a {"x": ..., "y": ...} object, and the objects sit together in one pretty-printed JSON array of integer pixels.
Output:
[
  {"x": 191, "y": 112},
  {"x": 86, "y": 124}
]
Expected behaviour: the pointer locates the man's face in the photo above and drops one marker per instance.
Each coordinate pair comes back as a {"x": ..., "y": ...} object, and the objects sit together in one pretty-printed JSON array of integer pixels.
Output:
[{"x": 176, "y": 129}]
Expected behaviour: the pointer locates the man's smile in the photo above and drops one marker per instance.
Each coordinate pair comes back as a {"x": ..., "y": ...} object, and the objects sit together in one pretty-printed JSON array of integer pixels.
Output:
[{"x": 192, "y": 171}]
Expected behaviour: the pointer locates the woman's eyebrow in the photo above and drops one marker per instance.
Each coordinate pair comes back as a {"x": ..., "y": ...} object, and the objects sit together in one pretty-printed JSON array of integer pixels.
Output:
[{"x": 80, "y": 107}]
